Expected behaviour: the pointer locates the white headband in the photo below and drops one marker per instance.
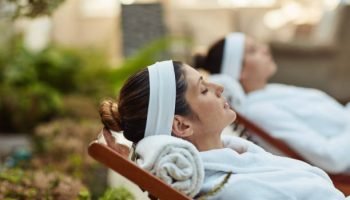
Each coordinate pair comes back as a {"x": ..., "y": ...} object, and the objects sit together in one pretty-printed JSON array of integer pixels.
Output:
[
  {"x": 162, "y": 96},
  {"x": 233, "y": 55}
]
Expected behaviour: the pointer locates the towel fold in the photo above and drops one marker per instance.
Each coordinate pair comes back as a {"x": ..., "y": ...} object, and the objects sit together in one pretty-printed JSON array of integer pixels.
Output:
[{"x": 173, "y": 160}]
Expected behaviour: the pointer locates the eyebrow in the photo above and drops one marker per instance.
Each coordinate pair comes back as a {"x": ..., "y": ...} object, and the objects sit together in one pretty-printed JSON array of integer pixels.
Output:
[
  {"x": 199, "y": 82},
  {"x": 200, "y": 79}
]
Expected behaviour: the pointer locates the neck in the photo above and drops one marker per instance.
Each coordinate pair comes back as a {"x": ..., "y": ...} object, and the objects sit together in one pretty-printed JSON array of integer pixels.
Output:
[
  {"x": 252, "y": 85},
  {"x": 206, "y": 144}
]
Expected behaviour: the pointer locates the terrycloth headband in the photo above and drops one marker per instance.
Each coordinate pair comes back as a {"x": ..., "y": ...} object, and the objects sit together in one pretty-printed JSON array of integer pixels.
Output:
[
  {"x": 161, "y": 106},
  {"x": 233, "y": 55}
]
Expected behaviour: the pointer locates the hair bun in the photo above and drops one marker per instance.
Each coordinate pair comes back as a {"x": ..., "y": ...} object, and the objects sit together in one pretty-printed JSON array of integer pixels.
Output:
[{"x": 110, "y": 115}]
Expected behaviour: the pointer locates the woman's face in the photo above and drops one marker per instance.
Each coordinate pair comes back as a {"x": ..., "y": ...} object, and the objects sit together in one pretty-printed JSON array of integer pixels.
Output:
[
  {"x": 258, "y": 62},
  {"x": 211, "y": 110}
]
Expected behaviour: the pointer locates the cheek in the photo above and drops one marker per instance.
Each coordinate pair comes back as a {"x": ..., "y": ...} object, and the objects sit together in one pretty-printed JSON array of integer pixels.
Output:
[
  {"x": 257, "y": 64},
  {"x": 207, "y": 109},
  {"x": 250, "y": 62},
  {"x": 249, "y": 67},
  {"x": 214, "y": 109}
]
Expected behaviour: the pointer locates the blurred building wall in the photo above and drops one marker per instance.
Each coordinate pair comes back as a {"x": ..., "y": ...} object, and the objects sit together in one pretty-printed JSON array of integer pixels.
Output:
[{"x": 73, "y": 26}]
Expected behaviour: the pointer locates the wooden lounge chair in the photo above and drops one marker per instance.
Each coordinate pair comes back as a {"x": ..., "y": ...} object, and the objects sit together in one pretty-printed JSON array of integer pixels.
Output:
[
  {"x": 117, "y": 159},
  {"x": 248, "y": 128}
]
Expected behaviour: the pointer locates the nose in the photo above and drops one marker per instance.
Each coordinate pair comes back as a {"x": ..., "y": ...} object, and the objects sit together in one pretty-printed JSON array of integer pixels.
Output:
[{"x": 265, "y": 49}]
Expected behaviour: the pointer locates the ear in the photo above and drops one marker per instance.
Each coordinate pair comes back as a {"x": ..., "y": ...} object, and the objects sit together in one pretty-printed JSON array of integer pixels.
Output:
[{"x": 182, "y": 127}]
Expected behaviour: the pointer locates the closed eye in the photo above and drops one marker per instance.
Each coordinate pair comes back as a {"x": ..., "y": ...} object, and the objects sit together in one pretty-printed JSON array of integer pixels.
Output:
[
  {"x": 201, "y": 81},
  {"x": 205, "y": 91}
]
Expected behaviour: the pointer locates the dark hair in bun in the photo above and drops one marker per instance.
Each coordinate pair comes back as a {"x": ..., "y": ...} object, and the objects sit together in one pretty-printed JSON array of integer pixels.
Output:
[
  {"x": 212, "y": 61},
  {"x": 129, "y": 112}
]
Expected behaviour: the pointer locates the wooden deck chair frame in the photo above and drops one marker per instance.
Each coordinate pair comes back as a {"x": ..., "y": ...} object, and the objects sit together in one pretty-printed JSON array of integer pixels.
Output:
[
  {"x": 341, "y": 181},
  {"x": 114, "y": 160}
]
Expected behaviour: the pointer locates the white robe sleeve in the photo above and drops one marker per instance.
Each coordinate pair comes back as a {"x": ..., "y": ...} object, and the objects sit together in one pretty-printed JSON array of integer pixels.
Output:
[
  {"x": 331, "y": 154},
  {"x": 251, "y": 189},
  {"x": 254, "y": 188}
]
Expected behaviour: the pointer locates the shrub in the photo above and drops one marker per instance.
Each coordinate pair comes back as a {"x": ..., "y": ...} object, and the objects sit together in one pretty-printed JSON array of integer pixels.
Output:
[
  {"x": 61, "y": 145},
  {"x": 117, "y": 194},
  {"x": 37, "y": 184},
  {"x": 32, "y": 84}
]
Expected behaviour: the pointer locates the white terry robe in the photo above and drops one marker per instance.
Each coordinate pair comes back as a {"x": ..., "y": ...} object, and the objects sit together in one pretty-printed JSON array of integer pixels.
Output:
[
  {"x": 258, "y": 175},
  {"x": 310, "y": 121}
]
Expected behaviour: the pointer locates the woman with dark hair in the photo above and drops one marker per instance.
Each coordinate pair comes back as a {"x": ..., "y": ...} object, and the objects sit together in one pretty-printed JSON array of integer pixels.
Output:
[
  {"x": 308, "y": 120},
  {"x": 172, "y": 99}
]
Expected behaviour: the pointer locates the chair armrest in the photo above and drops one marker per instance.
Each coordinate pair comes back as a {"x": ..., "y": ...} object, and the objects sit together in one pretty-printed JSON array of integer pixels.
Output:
[{"x": 131, "y": 171}]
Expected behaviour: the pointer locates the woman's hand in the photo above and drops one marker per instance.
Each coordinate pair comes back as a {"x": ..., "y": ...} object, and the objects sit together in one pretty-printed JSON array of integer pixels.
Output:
[{"x": 112, "y": 143}]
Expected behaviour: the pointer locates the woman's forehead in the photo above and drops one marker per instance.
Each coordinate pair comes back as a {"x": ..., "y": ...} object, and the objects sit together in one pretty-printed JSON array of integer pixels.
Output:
[
  {"x": 192, "y": 77},
  {"x": 191, "y": 72},
  {"x": 249, "y": 41}
]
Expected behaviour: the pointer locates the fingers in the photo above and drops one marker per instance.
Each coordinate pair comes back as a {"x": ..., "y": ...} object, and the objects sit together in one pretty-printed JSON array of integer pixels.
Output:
[
  {"x": 108, "y": 137},
  {"x": 121, "y": 149}
]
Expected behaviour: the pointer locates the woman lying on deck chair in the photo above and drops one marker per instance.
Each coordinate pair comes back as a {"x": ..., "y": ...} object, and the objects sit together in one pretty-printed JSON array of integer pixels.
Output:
[
  {"x": 171, "y": 99},
  {"x": 312, "y": 123}
]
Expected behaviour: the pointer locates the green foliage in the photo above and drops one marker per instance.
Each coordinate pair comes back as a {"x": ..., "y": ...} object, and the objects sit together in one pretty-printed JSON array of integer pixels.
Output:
[
  {"x": 22, "y": 107},
  {"x": 117, "y": 194},
  {"x": 84, "y": 195},
  {"x": 55, "y": 66},
  {"x": 147, "y": 55},
  {"x": 32, "y": 84},
  {"x": 27, "y": 95},
  {"x": 13, "y": 176},
  {"x": 35, "y": 184},
  {"x": 61, "y": 145},
  {"x": 92, "y": 77}
]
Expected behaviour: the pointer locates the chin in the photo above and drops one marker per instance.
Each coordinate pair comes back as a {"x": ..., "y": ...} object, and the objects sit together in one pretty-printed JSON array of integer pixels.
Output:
[
  {"x": 232, "y": 115},
  {"x": 273, "y": 68}
]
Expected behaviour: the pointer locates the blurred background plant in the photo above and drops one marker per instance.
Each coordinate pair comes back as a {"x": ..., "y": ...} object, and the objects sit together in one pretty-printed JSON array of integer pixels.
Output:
[
  {"x": 52, "y": 96},
  {"x": 120, "y": 193},
  {"x": 61, "y": 145},
  {"x": 34, "y": 84},
  {"x": 32, "y": 8},
  {"x": 147, "y": 55},
  {"x": 21, "y": 184},
  {"x": 60, "y": 81},
  {"x": 21, "y": 85}
]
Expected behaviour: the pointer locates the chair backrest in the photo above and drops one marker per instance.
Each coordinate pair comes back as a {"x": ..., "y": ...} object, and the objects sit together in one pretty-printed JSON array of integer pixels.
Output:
[
  {"x": 341, "y": 181},
  {"x": 253, "y": 129},
  {"x": 121, "y": 164}
]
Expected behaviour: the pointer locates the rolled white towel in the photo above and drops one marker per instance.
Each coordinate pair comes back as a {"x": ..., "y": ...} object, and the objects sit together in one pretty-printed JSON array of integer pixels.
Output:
[{"x": 173, "y": 160}]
